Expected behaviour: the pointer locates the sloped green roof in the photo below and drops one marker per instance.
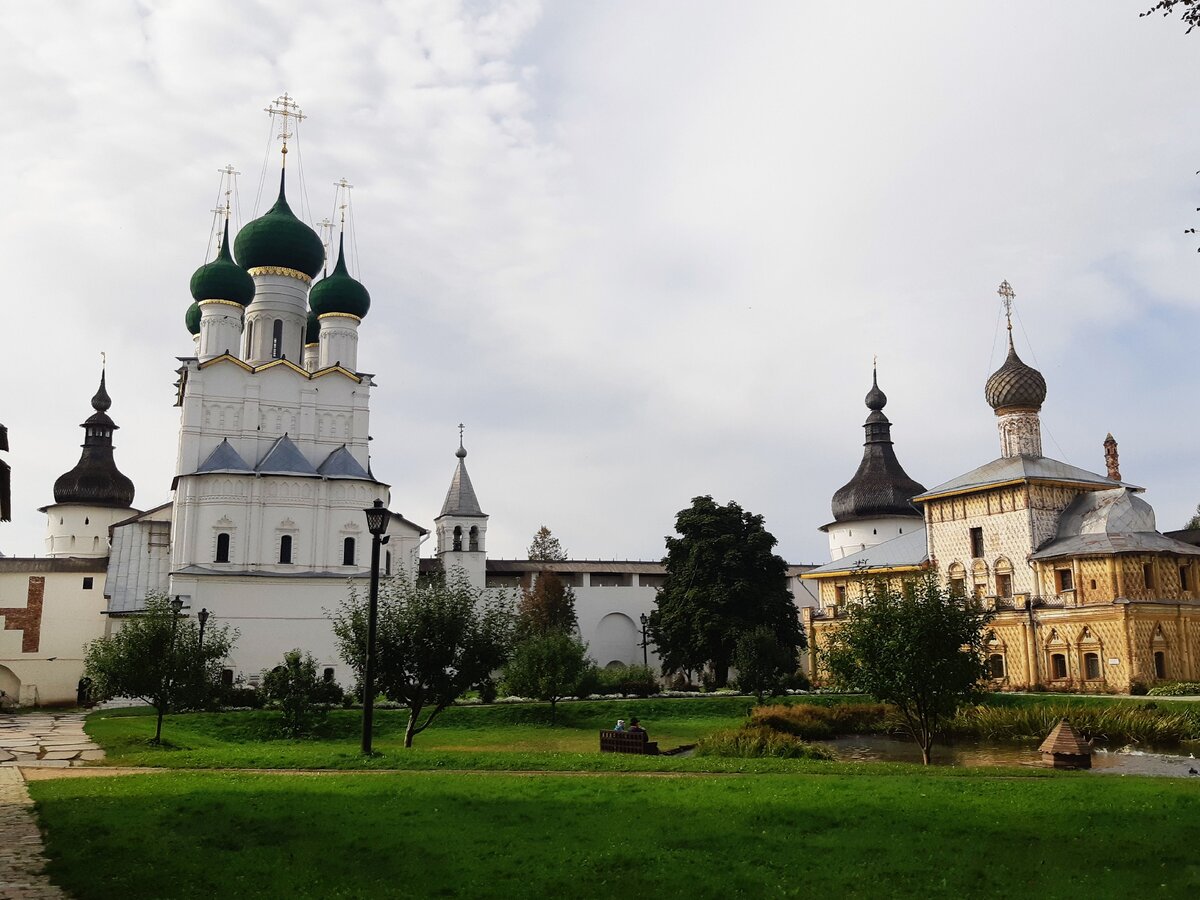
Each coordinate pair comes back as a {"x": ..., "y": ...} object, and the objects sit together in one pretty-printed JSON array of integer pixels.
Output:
[
  {"x": 338, "y": 292},
  {"x": 223, "y": 279},
  {"x": 192, "y": 319},
  {"x": 278, "y": 238}
]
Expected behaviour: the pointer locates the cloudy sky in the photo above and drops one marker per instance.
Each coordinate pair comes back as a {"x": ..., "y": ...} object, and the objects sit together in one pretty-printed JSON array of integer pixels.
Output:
[{"x": 644, "y": 251}]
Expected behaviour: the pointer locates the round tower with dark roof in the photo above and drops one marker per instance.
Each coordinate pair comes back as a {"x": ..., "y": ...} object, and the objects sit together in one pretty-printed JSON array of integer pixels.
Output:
[
  {"x": 876, "y": 504},
  {"x": 93, "y": 495},
  {"x": 1016, "y": 392}
]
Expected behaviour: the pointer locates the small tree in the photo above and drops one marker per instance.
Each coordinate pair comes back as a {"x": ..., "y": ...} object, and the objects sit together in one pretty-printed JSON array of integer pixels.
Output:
[
  {"x": 436, "y": 638},
  {"x": 548, "y": 667},
  {"x": 302, "y": 696},
  {"x": 762, "y": 662},
  {"x": 722, "y": 580},
  {"x": 546, "y": 547},
  {"x": 156, "y": 657},
  {"x": 548, "y": 607},
  {"x": 919, "y": 647},
  {"x": 1194, "y": 521}
]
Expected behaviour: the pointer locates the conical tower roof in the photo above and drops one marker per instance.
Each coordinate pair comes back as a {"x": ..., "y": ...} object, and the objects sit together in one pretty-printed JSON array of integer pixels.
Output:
[
  {"x": 96, "y": 480},
  {"x": 461, "y": 499},
  {"x": 880, "y": 487}
]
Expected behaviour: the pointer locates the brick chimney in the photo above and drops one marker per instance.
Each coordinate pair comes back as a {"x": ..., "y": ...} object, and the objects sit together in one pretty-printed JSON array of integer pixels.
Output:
[{"x": 1111, "y": 459}]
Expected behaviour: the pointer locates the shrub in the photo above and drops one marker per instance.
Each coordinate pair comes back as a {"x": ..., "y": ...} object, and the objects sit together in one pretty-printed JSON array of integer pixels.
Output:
[
  {"x": 635, "y": 681},
  {"x": 487, "y": 691},
  {"x": 757, "y": 741},
  {"x": 812, "y": 722},
  {"x": 302, "y": 697},
  {"x": 1138, "y": 689},
  {"x": 1119, "y": 723},
  {"x": 1175, "y": 689},
  {"x": 238, "y": 695}
]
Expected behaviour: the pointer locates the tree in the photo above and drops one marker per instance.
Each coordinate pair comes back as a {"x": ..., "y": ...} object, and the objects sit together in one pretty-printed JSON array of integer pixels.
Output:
[
  {"x": 302, "y": 696},
  {"x": 548, "y": 607},
  {"x": 545, "y": 547},
  {"x": 156, "y": 657},
  {"x": 436, "y": 638},
  {"x": 722, "y": 581},
  {"x": 1189, "y": 11},
  {"x": 919, "y": 647},
  {"x": 547, "y": 666},
  {"x": 762, "y": 662},
  {"x": 1194, "y": 521}
]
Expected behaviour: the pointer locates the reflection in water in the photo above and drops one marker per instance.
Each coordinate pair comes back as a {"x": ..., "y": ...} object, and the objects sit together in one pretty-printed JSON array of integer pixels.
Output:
[{"x": 1142, "y": 760}]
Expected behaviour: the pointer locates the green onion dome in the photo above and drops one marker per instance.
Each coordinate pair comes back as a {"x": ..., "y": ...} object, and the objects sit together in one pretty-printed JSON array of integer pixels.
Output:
[
  {"x": 223, "y": 279},
  {"x": 312, "y": 329},
  {"x": 277, "y": 238},
  {"x": 193, "y": 318},
  {"x": 337, "y": 292}
]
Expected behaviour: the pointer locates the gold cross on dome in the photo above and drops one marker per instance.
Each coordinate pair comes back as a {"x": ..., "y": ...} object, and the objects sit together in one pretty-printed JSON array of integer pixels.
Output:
[
  {"x": 460, "y": 432},
  {"x": 286, "y": 108},
  {"x": 1007, "y": 294}
]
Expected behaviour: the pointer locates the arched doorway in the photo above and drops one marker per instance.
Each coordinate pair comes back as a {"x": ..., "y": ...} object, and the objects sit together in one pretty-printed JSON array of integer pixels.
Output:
[
  {"x": 616, "y": 639},
  {"x": 10, "y": 684}
]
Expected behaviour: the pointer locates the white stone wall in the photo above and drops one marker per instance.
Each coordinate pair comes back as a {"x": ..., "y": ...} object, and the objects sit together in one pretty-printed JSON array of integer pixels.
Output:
[
  {"x": 77, "y": 530},
  {"x": 847, "y": 538}
]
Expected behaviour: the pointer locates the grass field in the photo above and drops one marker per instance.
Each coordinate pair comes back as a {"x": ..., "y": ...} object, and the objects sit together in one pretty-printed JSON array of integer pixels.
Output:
[{"x": 204, "y": 835}]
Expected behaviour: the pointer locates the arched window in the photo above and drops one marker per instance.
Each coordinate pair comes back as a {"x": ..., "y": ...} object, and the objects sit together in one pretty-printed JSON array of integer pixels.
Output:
[
  {"x": 348, "y": 552},
  {"x": 1160, "y": 664},
  {"x": 1058, "y": 666},
  {"x": 473, "y": 538},
  {"x": 285, "y": 550},
  {"x": 387, "y": 563},
  {"x": 1091, "y": 666},
  {"x": 327, "y": 675},
  {"x": 996, "y": 665},
  {"x": 222, "y": 547},
  {"x": 277, "y": 339},
  {"x": 457, "y": 537}
]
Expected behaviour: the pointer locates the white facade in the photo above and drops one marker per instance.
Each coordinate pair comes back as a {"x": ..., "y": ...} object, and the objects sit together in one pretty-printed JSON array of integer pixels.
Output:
[{"x": 848, "y": 538}]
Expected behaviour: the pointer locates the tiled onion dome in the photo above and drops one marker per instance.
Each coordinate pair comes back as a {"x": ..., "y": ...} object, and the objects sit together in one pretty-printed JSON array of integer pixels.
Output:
[
  {"x": 192, "y": 318},
  {"x": 880, "y": 487},
  {"x": 95, "y": 480},
  {"x": 278, "y": 238},
  {"x": 337, "y": 292},
  {"x": 223, "y": 279},
  {"x": 1015, "y": 384}
]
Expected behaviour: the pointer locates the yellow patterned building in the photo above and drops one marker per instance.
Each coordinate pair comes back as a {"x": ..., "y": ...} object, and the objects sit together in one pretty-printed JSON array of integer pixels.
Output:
[{"x": 1089, "y": 596}]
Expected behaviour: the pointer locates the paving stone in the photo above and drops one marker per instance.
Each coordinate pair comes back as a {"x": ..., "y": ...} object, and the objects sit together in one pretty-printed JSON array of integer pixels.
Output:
[
  {"x": 59, "y": 754},
  {"x": 92, "y": 754}
]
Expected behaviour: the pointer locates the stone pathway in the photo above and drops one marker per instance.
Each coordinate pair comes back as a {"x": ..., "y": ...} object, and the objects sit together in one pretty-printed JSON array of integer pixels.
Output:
[
  {"x": 54, "y": 740},
  {"x": 22, "y": 863}
]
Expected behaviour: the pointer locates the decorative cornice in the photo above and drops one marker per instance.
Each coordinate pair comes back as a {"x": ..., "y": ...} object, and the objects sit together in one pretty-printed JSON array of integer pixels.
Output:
[
  {"x": 340, "y": 315},
  {"x": 203, "y": 303},
  {"x": 280, "y": 270}
]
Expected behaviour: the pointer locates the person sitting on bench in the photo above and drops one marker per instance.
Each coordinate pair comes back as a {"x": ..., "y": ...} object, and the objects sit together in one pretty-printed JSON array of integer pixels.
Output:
[{"x": 635, "y": 727}]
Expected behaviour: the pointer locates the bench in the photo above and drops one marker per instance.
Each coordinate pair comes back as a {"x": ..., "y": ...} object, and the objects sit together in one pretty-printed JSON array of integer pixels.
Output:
[{"x": 627, "y": 742}]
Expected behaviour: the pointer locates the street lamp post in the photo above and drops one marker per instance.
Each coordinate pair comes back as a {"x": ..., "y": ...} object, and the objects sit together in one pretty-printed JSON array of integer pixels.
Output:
[
  {"x": 377, "y": 522},
  {"x": 202, "y": 618},
  {"x": 645, "y": 654}
]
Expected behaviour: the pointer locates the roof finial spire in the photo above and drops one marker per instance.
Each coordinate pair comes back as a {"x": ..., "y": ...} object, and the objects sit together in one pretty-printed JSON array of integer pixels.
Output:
[
  {"x": 101, "y": 402},
  {"x": 286, "y": 108},
  {"x": 876, "y": 399},
  {"x": 1007, "y": 294},
  {"x": 461, "y": 452}
]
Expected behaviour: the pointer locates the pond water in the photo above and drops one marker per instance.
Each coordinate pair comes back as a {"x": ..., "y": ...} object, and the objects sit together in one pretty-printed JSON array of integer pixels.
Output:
[{"x": 1139, "y": 760}]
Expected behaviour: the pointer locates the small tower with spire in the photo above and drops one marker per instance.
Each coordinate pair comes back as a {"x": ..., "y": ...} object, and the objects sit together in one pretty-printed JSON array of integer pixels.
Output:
[
  {"x": 93, "y": 495},
  {"x": 461, "y": 525},
  {"x": 1016, "y": 392},
  {"x": 876, "y": 504}
]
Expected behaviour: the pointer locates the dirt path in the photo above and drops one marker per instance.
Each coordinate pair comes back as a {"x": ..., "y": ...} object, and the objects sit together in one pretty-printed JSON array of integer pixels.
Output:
[{"x": 41, "y": 774}]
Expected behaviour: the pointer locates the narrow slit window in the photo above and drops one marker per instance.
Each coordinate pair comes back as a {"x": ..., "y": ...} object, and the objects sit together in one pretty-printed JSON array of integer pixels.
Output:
[
  {"x": 277, "y": 339},
  {"x": 348, "y": 552}
]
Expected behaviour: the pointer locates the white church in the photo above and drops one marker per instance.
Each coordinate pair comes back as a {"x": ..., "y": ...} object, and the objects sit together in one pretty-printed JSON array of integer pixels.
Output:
[{"x": 265, "y": 527}]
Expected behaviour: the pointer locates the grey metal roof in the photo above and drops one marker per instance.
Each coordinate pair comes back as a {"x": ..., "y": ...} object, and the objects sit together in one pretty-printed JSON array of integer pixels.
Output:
[
  {"x": 1020, "y": 468},
  {"x": 224, "y": 459},
  {"x": 284, "y": 458},
  {"x": 342, "y": 464},
  {"x": 1104, "y": 544},
  {"x": 460, "y": 499},
  {"x": 907, "y": 550}
]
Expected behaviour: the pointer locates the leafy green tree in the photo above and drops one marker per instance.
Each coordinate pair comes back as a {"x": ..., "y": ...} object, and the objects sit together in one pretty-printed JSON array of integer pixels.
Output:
[
  {"x": 302, "y": 696},
  {"x": 762, "y": 662},
  {"x": 547, "y": 666},
  {"x": 722, "y": 580},
  {"x": 546, "y": 547},
  {"x": 156, "y": 657},
  {"x": 919, "y": 648},
  {"x": 436, "y": 638},
  {"x": 548, "y": 607},
  {"x": 1194, "y": 521}
]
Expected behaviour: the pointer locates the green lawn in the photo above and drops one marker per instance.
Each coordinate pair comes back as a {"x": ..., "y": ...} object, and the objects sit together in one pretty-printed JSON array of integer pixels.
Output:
[{"x": 224, "y": 835}]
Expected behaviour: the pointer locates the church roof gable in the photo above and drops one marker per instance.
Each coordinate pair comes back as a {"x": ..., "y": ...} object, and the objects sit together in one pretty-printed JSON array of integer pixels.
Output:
[
  {"x": 284, "y": 458},
  {"x": 224, "y": 459},
  {"x": 342, "y": 464}
]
